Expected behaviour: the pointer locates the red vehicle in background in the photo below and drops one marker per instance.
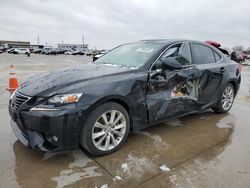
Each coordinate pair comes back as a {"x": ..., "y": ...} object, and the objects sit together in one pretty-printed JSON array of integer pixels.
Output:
[
  {"x": 244, "y": 56},
  {"x": 215, "y": 44},
  {"x": 218, "y": 46},
  {"x": 236, "y": 56}
]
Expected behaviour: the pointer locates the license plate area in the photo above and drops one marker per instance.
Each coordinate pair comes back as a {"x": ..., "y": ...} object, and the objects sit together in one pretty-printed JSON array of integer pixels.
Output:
[
  {"x": 22, "y": 137},
  {"x": 16, "y": 119}
]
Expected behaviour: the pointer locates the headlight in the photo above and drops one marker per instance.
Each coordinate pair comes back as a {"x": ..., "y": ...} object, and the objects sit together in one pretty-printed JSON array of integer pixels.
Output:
[{"x": 65, "y": 98}]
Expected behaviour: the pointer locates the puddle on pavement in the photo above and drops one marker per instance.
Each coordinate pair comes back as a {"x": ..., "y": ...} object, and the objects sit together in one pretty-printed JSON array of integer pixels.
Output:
[
  {"x": 139, "y": 159},
  {"x": 226, "y": 122},
  {"x": 135, "y": 167},
  {"x": 159, "y": 144},
  {"x": 36, "y": 169},
  {"x": 175, "y": 122},
  {"x": 77, "y": 170}
]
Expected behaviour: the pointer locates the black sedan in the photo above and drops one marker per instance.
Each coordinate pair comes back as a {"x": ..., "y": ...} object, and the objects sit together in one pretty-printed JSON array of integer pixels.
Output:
[{"x": 133, "y": 86}]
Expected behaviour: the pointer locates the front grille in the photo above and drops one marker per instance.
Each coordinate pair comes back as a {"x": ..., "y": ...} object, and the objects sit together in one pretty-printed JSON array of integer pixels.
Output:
[{"x": 18, "y": 100}]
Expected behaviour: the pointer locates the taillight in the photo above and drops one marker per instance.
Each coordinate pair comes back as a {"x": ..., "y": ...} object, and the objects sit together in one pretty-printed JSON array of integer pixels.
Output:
[{"x": 239, "y": 66}]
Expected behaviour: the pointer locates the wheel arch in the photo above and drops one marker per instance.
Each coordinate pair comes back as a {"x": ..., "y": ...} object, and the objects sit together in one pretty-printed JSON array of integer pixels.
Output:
[
  {"x": 231, "y": 81},
  {"x": 114, "y": 98},
  {"x": 234, "y": 83}
]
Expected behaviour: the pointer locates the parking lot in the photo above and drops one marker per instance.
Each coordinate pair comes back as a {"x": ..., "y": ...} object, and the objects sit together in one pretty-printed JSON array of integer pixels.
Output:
[{"x": 200, "y": 150}]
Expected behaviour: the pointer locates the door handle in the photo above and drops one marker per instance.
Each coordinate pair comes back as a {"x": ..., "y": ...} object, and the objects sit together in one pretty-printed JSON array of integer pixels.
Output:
[{"x": 222, "y": 69}]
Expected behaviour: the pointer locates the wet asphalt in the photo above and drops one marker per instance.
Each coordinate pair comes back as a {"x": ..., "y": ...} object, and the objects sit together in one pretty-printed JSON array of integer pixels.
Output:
[{"x": 200, "y": 150}]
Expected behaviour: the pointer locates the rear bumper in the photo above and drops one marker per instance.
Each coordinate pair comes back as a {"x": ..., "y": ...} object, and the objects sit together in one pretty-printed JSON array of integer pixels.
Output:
[{"x": 48, "y": 131}]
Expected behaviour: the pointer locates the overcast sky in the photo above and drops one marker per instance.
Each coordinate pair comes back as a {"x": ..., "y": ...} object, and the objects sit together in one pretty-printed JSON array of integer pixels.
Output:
[{"x": 107, "y": 23}]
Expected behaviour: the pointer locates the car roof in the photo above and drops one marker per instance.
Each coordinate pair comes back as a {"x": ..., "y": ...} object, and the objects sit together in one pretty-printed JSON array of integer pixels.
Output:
[
  {"x": 164, "y": 40},
  {"x": 170, "y": 41},
  {"x": 167, "y": 42}
]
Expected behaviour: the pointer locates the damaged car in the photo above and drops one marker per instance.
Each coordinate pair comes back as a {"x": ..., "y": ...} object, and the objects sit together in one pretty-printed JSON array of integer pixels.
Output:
[{"x": 133, "y": 86}]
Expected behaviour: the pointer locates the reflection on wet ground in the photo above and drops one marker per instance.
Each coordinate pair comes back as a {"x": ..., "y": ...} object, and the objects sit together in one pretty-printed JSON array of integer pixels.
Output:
[
  {"x": 137, "y": 161},
  {"x": 201, "y": 150}
]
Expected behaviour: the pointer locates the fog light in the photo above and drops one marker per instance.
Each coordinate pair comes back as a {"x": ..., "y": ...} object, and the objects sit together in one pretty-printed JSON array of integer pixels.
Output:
[{"x": 52, "y": 138}]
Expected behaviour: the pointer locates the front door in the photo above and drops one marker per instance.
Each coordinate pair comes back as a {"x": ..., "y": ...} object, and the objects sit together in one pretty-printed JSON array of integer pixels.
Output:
[{"x": 173, "y": 92}]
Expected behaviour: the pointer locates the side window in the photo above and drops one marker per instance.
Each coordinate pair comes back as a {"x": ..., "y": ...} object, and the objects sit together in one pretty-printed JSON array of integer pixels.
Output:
[
  {"x": 181, "y": 52},
  {"x": 202, "y": 54},
  {"x": 217, "y": 56}
]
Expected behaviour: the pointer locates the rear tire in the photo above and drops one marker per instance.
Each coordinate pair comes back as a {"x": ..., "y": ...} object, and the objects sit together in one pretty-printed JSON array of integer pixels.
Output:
[
  {"x": 226, "y": 100},
  {"x": 106, "y": 129}
]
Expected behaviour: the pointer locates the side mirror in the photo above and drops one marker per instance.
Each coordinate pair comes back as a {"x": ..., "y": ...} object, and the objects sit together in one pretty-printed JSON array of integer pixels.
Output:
[{"x": 170, "y": 63}]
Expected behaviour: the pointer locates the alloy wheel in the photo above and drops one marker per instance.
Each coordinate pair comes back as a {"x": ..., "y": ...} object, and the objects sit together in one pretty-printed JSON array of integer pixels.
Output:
[
  {"x": 109, "y": 130},
  {"x": 227, "y": 98}
]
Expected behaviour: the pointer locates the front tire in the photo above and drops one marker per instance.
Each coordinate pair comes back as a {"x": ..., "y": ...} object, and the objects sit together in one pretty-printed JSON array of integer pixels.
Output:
[
  {"x": 106, "y": 129},
  {"x": 226, "y": 100}
]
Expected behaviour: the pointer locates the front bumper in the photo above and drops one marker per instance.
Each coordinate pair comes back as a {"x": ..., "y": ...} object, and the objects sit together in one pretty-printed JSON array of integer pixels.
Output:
[
  {"x": 36, "y": 128},
  {"x": 36, "y": 140}
]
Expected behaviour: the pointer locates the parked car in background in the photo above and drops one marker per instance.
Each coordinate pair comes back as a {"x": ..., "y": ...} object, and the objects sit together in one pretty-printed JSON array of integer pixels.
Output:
[
  {"x": 88, "y": 53},
  {"x": 1, "y": 51},
  {"x": 21, "y": 51},
  {"x": 44, "y": 51},
  {"x": 10, "y": 51},
  {"x": 247, "y": 54},
  {"x": 134, "y": 86},
  {"x": 92, "y": 52},
  {"x": 61, "y": 51},
  {"x": 244, "y": 56},
  {"x": 3, "y": 48},
  {"x": 95, "y": 57},
  {"x": 239, "y": 56},
  {"x": 101, "y": 53},
  {"x": 71, "y": 52},
  {"x": 218, "y": 46},
  {"x": 80, "y": 53},
  {"x": 37, "y": 51},
  {"x": 53, "y": 51}
]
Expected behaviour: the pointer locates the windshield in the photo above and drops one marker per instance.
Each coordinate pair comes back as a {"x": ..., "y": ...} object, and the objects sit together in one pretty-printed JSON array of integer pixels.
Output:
[{"x": 131, "y": 55}]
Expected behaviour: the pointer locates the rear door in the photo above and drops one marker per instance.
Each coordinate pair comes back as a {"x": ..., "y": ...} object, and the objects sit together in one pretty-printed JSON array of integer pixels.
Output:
[
  {"x": 212, "y": 69},
  {"x": 167, "y": 93}
]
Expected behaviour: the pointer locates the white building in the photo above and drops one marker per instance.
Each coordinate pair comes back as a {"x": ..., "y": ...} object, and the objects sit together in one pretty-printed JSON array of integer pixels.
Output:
[
  {"x": 36, "y": 46},
  {"x": 79, "y": 47}
]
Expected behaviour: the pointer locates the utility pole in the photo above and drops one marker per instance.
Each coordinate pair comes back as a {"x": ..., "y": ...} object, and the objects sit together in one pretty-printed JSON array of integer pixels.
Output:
[
  {"x": 83, "y": 49},
  {"x": 38, "y": 41}
]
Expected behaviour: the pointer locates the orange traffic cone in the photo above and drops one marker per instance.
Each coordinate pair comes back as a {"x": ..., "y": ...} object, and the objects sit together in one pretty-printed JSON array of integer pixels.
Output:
[{"x": 13, "y": 82}]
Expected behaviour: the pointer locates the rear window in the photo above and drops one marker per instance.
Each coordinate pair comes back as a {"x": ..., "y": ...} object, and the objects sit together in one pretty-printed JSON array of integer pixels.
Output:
[
  {"x": 217, "y": 56},
  {"x": 202, "y": 54}
]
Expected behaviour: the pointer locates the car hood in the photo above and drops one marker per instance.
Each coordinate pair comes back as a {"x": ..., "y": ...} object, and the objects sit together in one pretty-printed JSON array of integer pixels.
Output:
[{"x": 51, "y": 81}]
